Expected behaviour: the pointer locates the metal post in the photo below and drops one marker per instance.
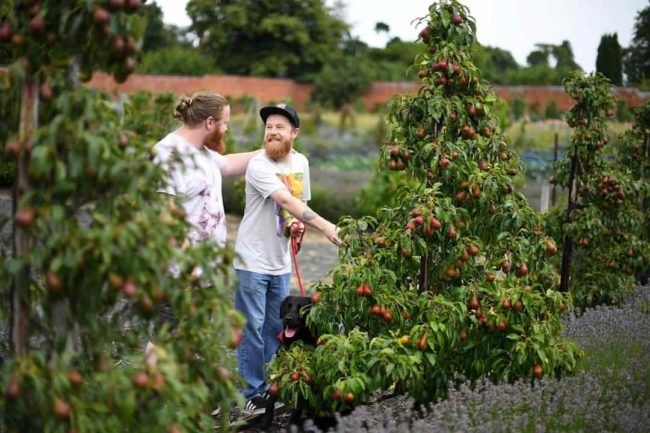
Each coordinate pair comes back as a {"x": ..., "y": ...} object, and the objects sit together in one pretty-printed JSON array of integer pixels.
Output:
[{"x": 555, "y": 151}]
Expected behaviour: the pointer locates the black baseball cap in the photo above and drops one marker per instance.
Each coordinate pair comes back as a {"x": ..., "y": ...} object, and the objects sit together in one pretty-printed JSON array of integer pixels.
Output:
[{"x": 283, "y": 110}]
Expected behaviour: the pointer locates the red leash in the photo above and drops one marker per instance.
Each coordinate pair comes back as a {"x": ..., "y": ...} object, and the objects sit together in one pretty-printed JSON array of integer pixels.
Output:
[{"x": 295, "y": 247}]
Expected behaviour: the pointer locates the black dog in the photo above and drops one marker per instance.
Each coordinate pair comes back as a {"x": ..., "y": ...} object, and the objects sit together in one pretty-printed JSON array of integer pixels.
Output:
[{"x": 293, "y": 311}]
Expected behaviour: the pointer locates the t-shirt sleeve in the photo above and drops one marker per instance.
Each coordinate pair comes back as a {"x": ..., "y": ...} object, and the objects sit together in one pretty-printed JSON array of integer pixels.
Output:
[
  {"x": 306, "y": 191},
  {"x": 219, "y": 159},
  {"x": 261, "y": 177}
]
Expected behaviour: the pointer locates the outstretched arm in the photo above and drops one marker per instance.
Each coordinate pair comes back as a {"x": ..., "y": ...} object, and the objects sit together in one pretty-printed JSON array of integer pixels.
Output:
[
  {"x": 237, "y": 163},
  {"x": 300, "y": 210}
]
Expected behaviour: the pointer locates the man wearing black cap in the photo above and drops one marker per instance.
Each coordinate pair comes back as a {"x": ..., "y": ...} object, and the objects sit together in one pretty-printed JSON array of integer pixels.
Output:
[{"x": 277, "y": 189}]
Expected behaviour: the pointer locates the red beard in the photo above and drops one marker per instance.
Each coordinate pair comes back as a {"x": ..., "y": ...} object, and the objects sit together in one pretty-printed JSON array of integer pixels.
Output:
[
  {"x": 214, "y": 141},
  {"x": 277, "y": 150}
]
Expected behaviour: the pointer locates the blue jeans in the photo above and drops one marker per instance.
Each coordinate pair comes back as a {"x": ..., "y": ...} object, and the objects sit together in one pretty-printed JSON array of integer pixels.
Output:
[{"x": 258, "y": 298}]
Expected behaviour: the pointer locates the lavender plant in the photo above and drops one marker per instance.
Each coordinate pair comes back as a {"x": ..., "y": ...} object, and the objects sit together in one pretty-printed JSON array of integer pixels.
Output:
[{"x": 610, "y": 394}]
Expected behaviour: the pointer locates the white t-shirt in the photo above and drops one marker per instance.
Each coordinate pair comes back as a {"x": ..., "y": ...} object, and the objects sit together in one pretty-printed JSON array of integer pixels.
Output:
[
  {"x": 262, "y": 244},
  {"x": 195, "y": 177}
]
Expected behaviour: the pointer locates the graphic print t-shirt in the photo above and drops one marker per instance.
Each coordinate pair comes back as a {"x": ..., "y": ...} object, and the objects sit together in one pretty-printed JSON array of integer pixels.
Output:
[
  {"x": 195, "y": 177},
  {"x": 261, "y": 241}
]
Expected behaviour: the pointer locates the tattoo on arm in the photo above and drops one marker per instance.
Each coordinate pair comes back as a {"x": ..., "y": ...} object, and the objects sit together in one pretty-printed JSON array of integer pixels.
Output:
[{"x": 308, "y": 214}]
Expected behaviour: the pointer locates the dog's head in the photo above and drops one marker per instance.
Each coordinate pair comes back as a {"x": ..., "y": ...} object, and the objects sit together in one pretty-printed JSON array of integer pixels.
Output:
[{"x": 293, "y": 311}]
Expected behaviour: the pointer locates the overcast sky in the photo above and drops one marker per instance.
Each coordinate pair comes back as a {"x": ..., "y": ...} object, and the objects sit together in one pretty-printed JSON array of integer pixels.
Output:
[{"x": 514, "y": 25}]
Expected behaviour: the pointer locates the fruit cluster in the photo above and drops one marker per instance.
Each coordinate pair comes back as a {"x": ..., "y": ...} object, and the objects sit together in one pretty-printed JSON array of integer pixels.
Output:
[
  {"x": 610, "y": 191},
  {"x": 98, "y": 34},
  {"x": 399, "y": 157}
]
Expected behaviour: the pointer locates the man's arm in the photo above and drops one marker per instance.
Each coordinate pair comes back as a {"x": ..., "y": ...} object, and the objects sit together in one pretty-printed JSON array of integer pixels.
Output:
[
  {"x": 300, "y": 210},
  {"x": 236, "y": 163}
]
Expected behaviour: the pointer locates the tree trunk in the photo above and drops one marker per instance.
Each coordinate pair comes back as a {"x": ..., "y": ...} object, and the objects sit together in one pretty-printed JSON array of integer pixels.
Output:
[
  {"x": 425, "y": 261},
  {"x": 21, "y": 239}
]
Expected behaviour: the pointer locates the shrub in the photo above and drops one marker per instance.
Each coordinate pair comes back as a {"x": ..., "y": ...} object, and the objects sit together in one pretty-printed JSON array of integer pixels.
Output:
[
  {"x": 175, "y": 60},
  {"x": 551, "y": 111},
  {"x": 451, "y": 281},
  {"x": 517, "y": 108},
  {"x": 601, "y": 227},
  {"x": 611, "y": 394}
]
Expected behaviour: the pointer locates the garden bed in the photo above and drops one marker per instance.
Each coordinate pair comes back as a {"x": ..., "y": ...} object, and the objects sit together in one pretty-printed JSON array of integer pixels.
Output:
[{"x": 610, "y": 394}]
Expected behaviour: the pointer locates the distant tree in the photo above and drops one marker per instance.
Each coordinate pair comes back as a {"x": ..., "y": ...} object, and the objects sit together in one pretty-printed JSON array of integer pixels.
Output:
[
  {"x": 551, "y": 111},
  {"x": 541, "y": 74},
  {"x": 346, "y": 77},
  {"x": 563, "y": 55},
  {"x": 494, "y": 63},
  {"x": 540, "y": 56},
  {"x": 280, "y": 38},
  {"x": 517, "y": 108},
  {"x": 636, "y": 63},
  {"x": 382, "y": 27},
  {"x": 609, "y": 59},
  {"x": 539, "y": 70},
  {"x": 156, "y": 34},
  {"x": 391, "y": 62},
  {"x": 176, "y": 60}
]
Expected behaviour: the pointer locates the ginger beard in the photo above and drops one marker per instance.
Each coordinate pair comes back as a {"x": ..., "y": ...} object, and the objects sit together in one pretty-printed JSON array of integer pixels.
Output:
[
  {"x": 214, "y": 141},
  {"x": 277, "y": 147}
]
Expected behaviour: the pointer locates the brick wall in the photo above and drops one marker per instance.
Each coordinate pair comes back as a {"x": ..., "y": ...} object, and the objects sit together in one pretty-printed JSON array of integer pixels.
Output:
[{"x": 266, "y": 90}]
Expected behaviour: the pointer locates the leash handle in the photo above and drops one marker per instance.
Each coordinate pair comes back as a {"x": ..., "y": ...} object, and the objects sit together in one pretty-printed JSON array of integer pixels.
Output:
[
  {"x": 295, "y": 240},
  {"x": 295, "y": 247}
]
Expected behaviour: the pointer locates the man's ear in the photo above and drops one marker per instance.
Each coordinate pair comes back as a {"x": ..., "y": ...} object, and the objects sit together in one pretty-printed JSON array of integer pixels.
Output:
[
  {"x": 209, "y": 122},
  {"x": 296, "y": 133}
]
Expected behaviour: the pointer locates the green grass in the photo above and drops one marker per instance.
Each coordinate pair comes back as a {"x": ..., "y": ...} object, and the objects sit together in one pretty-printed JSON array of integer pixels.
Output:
[{"x": 526, "y": 135}]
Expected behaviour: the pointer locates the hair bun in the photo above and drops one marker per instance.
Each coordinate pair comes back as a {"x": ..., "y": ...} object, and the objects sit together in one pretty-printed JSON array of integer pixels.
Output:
[{"x": 182, "y": 107}]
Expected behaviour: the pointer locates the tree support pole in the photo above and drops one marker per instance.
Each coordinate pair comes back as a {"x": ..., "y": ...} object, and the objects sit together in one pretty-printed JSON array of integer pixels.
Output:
[
  {"x": 568, "y": 241},
  {"x": 555, "y": 152}
]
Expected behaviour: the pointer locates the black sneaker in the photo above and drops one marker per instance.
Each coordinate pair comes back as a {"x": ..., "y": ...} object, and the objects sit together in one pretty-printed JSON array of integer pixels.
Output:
[
  {"x": 278, "y": 403},
  {"x": 255, "y": 406}
]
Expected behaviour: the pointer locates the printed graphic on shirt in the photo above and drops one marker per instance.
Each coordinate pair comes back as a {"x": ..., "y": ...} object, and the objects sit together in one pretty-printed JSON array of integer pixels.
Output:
[
  {"x": 209, "y": 219},
  {"x": 295, "y": 185}
]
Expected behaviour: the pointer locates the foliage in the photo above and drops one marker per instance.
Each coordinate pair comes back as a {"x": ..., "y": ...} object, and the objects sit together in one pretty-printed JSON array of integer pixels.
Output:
[
  {"x": 517, "y": 108},
  {"x": 390, "y": 62},
  {"x": 283, "y": 38},
  {"x": 633, "y": 152},
  {"x": 551, "y": 111},
  {"x": 43, "y": 35},
  {"x": 342, "y": 80},
  {"x": 611, "y": 394},
  {"x": 97, "y": 250},
  {"x": 600, "y": 229},
  {"x": 176, "y": 60},
  {"x": 9, "y": 112},
  {"x": 623, "y": 111},
  {"x": 147, "y": 115},
  {"x": 452, "y": 281},
  {"x": 636, "y": 58},
  {"x": 495, "y": 63},
  {"x": 609, "y": 59},
  {"x": 562, "y": 54},
  {"x": 157, "y": 34},
  {"x": 103, "y": 243}
]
